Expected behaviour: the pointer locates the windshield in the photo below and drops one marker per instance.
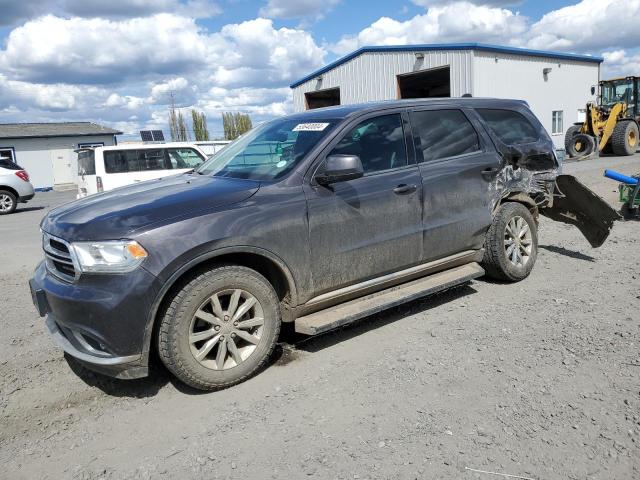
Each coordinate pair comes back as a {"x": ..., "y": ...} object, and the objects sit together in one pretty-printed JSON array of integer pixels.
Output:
[
  {"x": 617, "y": 91},
  {"x": 269, "y": 151}
]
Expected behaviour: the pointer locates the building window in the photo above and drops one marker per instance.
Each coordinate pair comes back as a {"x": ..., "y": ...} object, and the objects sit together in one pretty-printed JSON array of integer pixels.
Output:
[
  {"x": 91, "y": 145},
  {"x": 556, "y": 122},
  {"x": 8, "y": 153}
]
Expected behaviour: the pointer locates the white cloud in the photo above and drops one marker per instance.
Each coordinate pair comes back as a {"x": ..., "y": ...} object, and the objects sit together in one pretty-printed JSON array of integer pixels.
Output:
[
  {"x": 619, "y": 63},
  {"x": 52, "y": 49},
  {"x": 589, "y": 25},
  {"x": 297, "y": 8},
  {"x": 129, "y": 79},
  {"x": 140, "y": 8},
  {"x": 490, "y": 3},
  {"x": 455, "y": 22},
  {"x": 13, "y": 11}
]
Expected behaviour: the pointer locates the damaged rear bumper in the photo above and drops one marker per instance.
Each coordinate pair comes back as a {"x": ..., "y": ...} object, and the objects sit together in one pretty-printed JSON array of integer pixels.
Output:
[{"x": 575, "y": 204}]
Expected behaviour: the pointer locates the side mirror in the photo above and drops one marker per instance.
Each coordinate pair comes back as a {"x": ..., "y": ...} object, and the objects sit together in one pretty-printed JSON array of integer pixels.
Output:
[
  {"x": 593, "y": 90},
  {"x": 340, "y": 168}
]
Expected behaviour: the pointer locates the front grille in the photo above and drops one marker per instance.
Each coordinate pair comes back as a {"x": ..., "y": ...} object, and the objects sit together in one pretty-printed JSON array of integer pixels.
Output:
[{"x": 59, "y": 258}]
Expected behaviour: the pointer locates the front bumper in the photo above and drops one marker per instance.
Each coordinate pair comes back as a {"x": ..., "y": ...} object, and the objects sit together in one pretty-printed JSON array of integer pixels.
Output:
[{"x": 100, "y": 320}]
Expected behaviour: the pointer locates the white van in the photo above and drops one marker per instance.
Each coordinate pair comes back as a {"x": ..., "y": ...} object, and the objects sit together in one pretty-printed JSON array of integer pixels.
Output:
[{"x": 104, "y": 168}]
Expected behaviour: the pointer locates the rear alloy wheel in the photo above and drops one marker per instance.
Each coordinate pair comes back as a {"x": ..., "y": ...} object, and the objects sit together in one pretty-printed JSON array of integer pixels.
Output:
[
  {"x": 220, "y": 328},
  {"x": 8, "y": 202},
  {"x": 581, "y": 145},
  {"x": 511, "y": 245},
  {"x": 624, "y": 140}
]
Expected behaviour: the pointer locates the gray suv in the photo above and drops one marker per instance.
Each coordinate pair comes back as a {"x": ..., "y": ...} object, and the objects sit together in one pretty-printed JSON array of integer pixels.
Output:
[
  {"x": 318, "y": 218},
  {"x": 15, "y": 186}
]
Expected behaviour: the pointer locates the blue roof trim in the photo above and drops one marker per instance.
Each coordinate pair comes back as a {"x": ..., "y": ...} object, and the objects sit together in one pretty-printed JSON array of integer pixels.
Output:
[{"x": 447, "y": 46}]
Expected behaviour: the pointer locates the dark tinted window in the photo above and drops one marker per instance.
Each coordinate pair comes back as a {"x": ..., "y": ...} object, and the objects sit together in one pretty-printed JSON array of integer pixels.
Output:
[
  {"x": 9, "y": 165},
  {"x": 86, "y": 162},
  {"x": 123, "y": 161},
  {"x": 442, "y": 133},
  {"x": 509, "y": 126},
  {"x": 379, "y": 142}
]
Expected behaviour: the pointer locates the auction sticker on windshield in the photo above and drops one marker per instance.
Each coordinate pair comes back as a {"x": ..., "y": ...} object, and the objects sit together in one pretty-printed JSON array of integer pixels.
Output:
[{"x": 310, "y": 127}]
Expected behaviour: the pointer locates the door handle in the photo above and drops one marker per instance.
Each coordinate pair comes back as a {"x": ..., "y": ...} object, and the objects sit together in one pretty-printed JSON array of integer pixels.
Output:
[
  {"x": 403, "y": 189},
  {"x": 490, "y": 172}
]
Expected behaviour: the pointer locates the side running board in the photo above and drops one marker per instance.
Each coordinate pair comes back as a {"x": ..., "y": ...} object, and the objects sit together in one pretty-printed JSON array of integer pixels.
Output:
[{"x": 345, "y": 313}]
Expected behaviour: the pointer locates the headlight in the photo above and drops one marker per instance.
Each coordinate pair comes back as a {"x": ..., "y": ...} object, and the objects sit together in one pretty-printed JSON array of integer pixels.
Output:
[{"x": 118, "y": 256}]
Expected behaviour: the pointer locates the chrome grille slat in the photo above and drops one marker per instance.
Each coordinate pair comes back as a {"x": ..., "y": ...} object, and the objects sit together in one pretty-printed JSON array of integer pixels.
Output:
[{"x": 58, "y": 258}]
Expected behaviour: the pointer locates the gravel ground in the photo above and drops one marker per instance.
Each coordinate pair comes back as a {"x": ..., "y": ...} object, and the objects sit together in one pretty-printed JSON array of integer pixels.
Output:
[{"x": 538, "y": 379}]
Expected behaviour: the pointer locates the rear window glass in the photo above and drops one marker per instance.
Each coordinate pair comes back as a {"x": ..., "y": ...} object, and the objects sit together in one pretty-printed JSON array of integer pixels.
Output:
[
  {"x": 442, "y": 134},
  {"x": 86, "y": 162},
  {"x": 122, "y": 161},
  {"x": 9, "y": 165},
  {"x": 184, "y": 158},
  {"x": 510, "y": 127}
]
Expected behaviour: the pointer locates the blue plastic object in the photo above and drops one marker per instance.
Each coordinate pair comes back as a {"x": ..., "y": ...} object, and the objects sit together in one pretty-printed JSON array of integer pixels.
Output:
[{"x": 613, "y": 175}]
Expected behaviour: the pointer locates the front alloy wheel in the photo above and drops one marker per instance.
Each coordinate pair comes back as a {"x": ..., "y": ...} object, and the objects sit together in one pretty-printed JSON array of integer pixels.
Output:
[
  {"x": 220, "y": 327},
  {"x": 226, "y": 329}
]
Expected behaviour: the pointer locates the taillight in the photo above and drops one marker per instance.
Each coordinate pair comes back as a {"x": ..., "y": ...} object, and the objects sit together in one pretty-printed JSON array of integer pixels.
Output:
[
  {"x": 99, "y": 184},
  {"x": 23, "y": 175}
]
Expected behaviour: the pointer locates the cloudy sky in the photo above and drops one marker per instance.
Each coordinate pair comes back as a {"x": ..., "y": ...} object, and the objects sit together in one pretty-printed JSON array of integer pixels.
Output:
[{"x": 117, "y": 62}]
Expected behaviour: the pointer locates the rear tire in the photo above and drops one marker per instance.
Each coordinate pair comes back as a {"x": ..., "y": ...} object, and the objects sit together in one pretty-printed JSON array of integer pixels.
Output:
[
  {"x": 212, "y": 343},
  {"x": 572, "y": 131},
  {"x": 511, "y": 244},
  {"x": 8, "y": 202},
  {"x": 624, "y": 139},
  {"x": 581, "y": 145}
]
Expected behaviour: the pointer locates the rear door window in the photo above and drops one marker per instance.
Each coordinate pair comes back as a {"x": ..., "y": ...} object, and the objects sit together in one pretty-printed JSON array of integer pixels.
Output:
[
  {"x": 442, "y": 134},
  {"x": 180, "y": 158},
  {"x": 86, "y": 162},
  {"x": 509, "y": 126},
  {"x": 122, "y": 161}
]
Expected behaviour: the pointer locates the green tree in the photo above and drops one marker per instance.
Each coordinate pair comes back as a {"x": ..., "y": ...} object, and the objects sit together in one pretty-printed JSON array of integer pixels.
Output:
[
  {"x": 200, "y": 130},
  {"x": 183, "y": 133},
  {"x": 235, "y": 124}
]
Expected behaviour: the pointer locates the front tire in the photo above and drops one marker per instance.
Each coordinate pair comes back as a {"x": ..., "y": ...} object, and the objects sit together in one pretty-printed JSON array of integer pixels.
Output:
[
  {"x": 8, "y": 202},
  {"x": 220, "y": 328},
  {"x": 511, "y": 245}
]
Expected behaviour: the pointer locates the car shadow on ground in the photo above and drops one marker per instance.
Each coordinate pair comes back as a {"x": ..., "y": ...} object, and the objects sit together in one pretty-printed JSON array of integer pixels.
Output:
[
  {"x": 290, "y": 347},
  {"x": 139, "y": 388},
  {"x": 567, "y": 253},
  {"x": 27, "y": 209},
  {"x": 378, "y": 320}
]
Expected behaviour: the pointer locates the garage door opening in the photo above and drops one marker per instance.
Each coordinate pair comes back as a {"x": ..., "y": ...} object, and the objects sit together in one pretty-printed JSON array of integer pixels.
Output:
[
  {"x": 425, "y": 84},
  {"x": 322, "y": 98}
]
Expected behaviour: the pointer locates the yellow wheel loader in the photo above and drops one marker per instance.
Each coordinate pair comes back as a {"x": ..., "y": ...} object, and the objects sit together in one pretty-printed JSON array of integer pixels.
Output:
[{"x": 611, "y": 124}]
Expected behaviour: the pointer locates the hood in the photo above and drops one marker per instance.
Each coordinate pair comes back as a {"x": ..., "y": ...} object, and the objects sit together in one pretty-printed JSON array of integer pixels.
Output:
[{"x": 120, "y": 212}]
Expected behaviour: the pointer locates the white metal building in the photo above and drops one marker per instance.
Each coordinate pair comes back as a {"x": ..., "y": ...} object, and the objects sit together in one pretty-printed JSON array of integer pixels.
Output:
[
  {"x": 46, "y": 150},
  {"x": 557, "y": 86}
]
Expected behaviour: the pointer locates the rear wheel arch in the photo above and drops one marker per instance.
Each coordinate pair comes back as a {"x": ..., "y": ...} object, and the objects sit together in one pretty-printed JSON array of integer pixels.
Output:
[
  {"x": 10, "y": 190},
  {"x": 262, "y": 261},
  {"x": 522, "y": 198}
]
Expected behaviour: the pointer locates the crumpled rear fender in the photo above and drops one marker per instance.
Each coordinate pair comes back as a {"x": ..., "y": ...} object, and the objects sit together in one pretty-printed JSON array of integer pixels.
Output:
[{"x": 575, "y": 204}]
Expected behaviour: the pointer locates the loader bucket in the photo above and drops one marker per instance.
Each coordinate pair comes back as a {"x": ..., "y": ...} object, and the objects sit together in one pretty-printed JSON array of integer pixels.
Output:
[{"x": 577, "y": 205}]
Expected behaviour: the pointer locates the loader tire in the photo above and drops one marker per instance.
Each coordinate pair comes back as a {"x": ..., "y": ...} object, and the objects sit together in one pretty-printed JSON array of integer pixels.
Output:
[
  {"x": 572, "y": 131},
  {"x": 624, "y": 140},
  {"x": 581, "y": 145}
]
